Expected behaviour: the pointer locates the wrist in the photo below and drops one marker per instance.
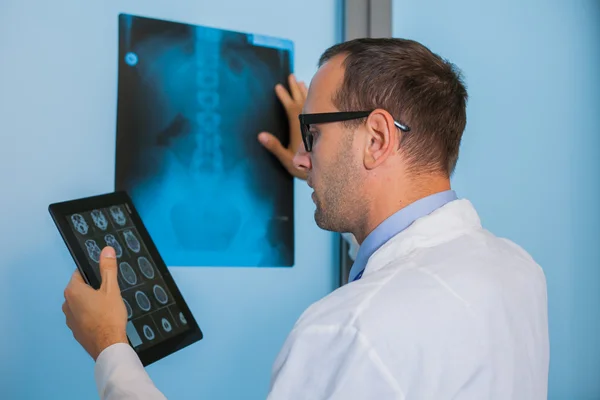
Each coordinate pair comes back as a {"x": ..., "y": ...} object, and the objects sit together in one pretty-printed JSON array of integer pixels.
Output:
[{"x": 107, "y": 339}]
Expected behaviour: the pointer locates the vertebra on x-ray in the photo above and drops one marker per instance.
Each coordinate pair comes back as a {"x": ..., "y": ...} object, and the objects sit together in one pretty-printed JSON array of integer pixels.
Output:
[
  {"x": 207, "y": 99},
  {"x": 112, "y": 242},
  {"x": 99, "y": 219},
  {"x": 118, "y": 215},
  {"x": 93, "y": 250},
  {"x": 79, "y": 223},
  {"x": 146, "y": 267},
  {"x": 132, "y": 241},
  {"x": 128, "y": 273}
]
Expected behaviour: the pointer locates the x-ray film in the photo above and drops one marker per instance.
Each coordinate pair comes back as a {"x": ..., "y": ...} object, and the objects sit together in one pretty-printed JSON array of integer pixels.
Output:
[{"x": 191, "y": 102}]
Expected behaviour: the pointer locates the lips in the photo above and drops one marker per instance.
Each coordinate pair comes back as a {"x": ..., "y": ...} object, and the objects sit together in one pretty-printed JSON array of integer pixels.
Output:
[{"x": 312, "y": 195}]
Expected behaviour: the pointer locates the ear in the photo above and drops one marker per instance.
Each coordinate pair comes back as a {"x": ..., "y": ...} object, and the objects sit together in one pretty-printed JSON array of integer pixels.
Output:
[{"x": 382, "y": 138}]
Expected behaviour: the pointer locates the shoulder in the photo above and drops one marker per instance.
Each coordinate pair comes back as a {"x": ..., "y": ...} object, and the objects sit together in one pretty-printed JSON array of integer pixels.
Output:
[
  {"x": 379, "y": 301},
  {"x": 451, "y": 277},
  {"x": 329, "y": 343},
  {"x": 382, "y": 322}
]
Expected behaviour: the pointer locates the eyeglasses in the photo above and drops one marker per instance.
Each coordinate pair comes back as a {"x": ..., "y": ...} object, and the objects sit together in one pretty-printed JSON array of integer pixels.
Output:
[{"x": 322, "y": 118}]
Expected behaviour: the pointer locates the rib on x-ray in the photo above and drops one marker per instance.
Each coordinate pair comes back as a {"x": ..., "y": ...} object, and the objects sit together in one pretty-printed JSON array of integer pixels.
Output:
[{"x": 191, "y": 102}]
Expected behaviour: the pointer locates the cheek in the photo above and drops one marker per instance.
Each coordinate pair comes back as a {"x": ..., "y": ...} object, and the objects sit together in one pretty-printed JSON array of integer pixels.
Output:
[
  {"x": 318, "y": 165},
  {"x": 328, "y": 160},
  {"x": 319, "y": 156}
]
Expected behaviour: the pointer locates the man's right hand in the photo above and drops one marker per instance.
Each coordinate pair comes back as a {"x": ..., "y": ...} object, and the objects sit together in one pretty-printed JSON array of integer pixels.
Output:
[{"x": 293, "y": 102}]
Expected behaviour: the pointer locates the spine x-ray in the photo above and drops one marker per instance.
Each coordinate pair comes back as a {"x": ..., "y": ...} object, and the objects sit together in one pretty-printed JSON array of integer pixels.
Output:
[{"x": 191, "y": 102}]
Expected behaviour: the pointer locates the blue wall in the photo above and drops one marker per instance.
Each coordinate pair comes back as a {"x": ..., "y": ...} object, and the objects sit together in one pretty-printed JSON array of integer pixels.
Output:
[
  {"x": 529, "y": 160},
  {"x": 57, "y": 129}
]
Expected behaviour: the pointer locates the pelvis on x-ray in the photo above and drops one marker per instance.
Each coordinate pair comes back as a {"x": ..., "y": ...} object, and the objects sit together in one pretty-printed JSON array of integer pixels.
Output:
[{"x": 191, "y": 102}]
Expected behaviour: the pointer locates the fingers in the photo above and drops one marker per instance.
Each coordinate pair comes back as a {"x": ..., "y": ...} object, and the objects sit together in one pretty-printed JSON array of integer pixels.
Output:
[
  {"x": 76, "y": 285},
  {"x": 303, "y": 90},
  {"x": 284, "y": 96},
  {"x": 76, "y": 278},
  {"x": 284, "y": 155},
  {"x": 108, "y": 270},
  {"x": 274, "y": 146},
  {"x": 294, "y": 99},
  {"x": 298, "y": 173},
  {"x": 68, "y": 315},
  {"x": 295, "y": 88}
]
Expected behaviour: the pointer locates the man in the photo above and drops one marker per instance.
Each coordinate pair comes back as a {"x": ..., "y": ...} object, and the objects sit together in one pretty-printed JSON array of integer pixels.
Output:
[{"x": 436, "y": 308}]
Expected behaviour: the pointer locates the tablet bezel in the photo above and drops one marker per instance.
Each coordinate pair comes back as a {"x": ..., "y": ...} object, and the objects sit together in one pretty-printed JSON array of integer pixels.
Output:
[{"x": 60, "y": 212}]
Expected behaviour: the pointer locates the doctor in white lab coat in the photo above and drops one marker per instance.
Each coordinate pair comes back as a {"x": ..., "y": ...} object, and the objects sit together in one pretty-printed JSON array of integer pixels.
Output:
[{"x": 437, "y": 307}]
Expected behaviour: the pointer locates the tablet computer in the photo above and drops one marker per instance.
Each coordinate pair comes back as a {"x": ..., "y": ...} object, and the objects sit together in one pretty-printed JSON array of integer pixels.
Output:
[{"x": 159, "y": 321}]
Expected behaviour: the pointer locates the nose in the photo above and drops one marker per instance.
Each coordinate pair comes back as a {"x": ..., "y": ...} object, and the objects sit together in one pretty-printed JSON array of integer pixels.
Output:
[{"x": 302, "y": 159}]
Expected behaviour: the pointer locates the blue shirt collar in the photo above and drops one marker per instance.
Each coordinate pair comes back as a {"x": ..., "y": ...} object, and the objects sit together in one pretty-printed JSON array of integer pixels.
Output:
[{"x": 395, "y": 224}]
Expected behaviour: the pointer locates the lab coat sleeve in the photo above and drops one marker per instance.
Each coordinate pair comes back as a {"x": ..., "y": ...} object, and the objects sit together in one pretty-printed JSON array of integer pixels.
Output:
[
  {"x": 331, "y": 362},
  {"x": 120, "y": 375}
]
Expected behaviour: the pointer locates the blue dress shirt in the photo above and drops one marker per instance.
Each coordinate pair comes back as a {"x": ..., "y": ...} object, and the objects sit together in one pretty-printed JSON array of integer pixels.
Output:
[{"x": 395, "y": 224}]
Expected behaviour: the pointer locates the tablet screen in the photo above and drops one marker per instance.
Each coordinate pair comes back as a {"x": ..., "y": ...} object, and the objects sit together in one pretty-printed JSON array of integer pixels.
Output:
[
  {"x": 156, "y": 312},
  {"x": 152, "y": 313}
]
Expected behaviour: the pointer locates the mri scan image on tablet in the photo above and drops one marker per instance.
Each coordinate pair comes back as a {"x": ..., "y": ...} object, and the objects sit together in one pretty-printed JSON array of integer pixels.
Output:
[
  {"x": 158, "y": 319},
  {"x": 191, "y": 102}
]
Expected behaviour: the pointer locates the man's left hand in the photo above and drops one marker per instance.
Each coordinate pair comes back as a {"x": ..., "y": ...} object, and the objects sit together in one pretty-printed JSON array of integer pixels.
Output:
[
  {"x": 97, "y": 318},
  {"x": 293, "y": 101}
]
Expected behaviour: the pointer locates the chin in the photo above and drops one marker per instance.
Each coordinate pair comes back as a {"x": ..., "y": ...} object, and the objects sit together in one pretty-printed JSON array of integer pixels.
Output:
[
  {"x": 325, "y": 222},
  {"x": 319, "y": 219}
]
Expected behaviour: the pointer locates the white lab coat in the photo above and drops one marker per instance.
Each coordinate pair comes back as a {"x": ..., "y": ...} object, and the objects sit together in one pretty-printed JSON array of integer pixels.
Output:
[
  {"x": 353, "y": 245},
  {"x": 444, "y": 310}
]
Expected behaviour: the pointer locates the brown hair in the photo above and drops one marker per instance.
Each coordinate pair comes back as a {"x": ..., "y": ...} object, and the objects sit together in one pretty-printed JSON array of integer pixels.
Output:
[{"x": 416, "y": 86}]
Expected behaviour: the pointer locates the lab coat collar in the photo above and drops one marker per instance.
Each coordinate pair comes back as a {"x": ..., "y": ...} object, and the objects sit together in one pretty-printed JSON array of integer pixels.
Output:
[{"x": 442, "y": 225}]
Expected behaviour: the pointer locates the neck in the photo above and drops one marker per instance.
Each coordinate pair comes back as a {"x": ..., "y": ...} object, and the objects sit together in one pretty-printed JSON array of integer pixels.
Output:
[{"x": 392, "y": 197}]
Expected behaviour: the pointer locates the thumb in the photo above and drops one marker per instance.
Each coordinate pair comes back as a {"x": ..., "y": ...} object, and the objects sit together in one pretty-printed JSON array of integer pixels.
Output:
[
  {"x": 108, "y": 270},
  {"x": 273, "y": 144}
]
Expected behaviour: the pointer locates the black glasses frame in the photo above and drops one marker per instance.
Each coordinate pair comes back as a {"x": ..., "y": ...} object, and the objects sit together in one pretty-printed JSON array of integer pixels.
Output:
[{"x": 306, "y": 120}]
